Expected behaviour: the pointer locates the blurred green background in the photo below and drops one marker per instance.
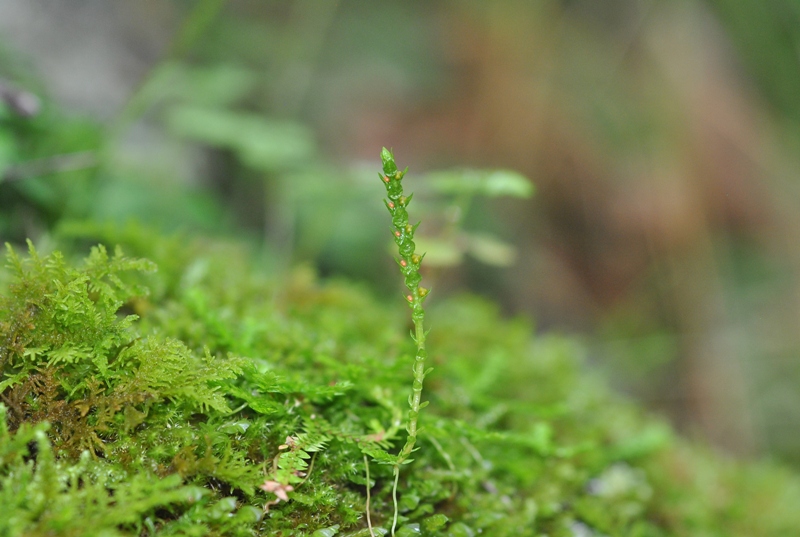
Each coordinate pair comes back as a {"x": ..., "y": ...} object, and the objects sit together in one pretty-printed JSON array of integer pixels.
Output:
[{"x": 663, "y": 139}]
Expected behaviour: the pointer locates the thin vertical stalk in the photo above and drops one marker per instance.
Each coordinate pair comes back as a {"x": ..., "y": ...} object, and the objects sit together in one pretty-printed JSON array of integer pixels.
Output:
[
  {"x": 409, "y": 262},
  {"x": 394, "y": 497},
  {"x": 369, "y": 484}
]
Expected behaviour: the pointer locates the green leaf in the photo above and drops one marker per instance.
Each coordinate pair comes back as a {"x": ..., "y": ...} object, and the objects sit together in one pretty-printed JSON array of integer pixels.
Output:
[
  {"x": 326, "y": 532},
  {"x": 260, "y": 143},
  {"x": 379, "y": 455},
  {"x": 507, "y": 183},
  {"x": 459, "y": 529},
  {"x": 216, "y": 85},
  {"x": 490, "y": 250},
  {"x": 440, "y": 252},
  {"x": 435, "y": 522},
  {"x": 13, "y": 379},
  {"x": 409, "y": 530},
  {"x": 491, "y": 183}
]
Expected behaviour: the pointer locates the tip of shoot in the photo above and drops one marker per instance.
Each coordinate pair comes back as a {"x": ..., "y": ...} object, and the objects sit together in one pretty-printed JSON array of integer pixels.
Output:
[{"x": 389, "y": 167}]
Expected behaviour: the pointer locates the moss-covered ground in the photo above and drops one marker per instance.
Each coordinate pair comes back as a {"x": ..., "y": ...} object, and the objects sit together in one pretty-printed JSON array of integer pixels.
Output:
[{"x": 187, "y": 394}]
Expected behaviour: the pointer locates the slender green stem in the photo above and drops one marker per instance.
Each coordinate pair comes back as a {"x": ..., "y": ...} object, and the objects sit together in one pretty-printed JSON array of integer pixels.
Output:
[
  {"x": 369, "y": 484},
  {"x": 394, "y": 497},
  {"x": 409, "y": 262},
  {"x": 415, "y": 401}
]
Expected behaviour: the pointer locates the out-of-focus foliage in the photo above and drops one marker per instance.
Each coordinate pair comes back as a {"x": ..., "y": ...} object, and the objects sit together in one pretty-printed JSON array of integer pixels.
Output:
[
  {"x": 57, "y": 167},
  {"x": 767, "y": 36},
  {"x": 32, "y": 148}
]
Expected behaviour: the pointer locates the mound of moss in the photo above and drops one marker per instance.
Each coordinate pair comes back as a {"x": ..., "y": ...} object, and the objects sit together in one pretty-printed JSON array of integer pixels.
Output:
[{"x": 189, "y": 395}]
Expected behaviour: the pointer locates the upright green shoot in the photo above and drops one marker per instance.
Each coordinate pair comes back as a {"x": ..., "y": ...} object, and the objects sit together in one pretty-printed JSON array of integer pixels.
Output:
[{"x": 409, "y": 262}]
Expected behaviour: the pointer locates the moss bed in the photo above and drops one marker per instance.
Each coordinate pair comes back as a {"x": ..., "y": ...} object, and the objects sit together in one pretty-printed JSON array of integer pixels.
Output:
[{"x": 188, "y": 394}]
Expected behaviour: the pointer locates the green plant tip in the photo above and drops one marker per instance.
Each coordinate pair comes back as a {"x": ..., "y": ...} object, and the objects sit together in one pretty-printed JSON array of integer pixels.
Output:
[{"x": 389, "y": 167}]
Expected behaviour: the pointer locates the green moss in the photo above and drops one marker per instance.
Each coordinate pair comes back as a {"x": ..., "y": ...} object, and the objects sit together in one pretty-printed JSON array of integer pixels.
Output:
[{"x": 223, "y": 404}]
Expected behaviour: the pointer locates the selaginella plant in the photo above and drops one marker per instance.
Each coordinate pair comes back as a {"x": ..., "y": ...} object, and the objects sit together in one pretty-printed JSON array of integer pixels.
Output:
[{"x": 409, "y": 262}]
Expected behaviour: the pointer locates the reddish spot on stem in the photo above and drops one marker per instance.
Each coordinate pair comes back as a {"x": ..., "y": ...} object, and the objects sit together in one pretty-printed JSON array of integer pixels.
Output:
[
  {"x": 397, "y": 233},
  {"x": 410, "y": 298},
  {"x": 403, "y": 263},
  {"x": 391, "y": 205},
  {"x": 385, "y": 179}
]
